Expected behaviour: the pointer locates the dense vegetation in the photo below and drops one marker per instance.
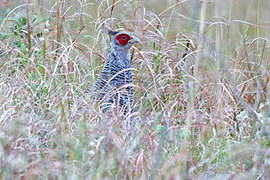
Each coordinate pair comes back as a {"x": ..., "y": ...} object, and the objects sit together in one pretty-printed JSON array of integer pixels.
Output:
[{"x": 201, "y": 79}]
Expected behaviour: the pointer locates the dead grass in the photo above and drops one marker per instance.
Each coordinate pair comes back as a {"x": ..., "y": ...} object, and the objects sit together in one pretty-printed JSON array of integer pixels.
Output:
[{"x": 202, "y": 90}]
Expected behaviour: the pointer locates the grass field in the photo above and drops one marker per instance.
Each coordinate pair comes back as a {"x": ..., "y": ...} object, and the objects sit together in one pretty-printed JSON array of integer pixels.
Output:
[{"x": 202, "y": 90}]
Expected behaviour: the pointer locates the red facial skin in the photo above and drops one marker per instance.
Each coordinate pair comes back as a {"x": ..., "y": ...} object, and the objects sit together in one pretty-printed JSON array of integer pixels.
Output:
[{"x": 123, "y": 39}]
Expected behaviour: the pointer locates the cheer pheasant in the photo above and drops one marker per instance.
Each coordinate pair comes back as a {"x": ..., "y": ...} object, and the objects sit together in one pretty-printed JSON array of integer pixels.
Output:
[{"x": 113, "y": 87}]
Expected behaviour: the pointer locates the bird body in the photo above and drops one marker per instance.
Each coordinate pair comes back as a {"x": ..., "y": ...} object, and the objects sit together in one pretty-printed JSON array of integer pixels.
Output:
[{"x": 114, "y": 83}]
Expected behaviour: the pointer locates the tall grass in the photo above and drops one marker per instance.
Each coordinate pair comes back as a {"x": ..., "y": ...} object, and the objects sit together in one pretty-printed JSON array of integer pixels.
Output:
[{"x": 201, "y": 79}]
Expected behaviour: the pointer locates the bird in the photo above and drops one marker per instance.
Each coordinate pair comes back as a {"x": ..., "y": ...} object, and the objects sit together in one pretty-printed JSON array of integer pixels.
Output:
[{"x": 113, "y": 87}]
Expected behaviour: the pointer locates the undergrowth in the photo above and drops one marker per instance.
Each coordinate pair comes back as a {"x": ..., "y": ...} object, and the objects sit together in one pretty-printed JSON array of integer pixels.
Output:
[{"x": 202, "y": 90}]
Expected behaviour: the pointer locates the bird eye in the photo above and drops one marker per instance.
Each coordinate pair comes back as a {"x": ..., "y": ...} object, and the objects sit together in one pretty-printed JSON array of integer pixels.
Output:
[{"x": 124, "y": 37}]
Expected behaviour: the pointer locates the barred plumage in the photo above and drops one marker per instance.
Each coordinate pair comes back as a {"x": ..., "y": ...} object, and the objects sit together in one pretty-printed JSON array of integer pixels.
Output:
[{"x": 114, "y": 84}]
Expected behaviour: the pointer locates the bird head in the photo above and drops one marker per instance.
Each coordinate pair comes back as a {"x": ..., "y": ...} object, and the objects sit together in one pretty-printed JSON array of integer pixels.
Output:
[{"x": 123, "y": 39}]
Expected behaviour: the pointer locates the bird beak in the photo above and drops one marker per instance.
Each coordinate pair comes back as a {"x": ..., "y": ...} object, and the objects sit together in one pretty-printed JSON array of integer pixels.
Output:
[{"x": 136, "y": 40}]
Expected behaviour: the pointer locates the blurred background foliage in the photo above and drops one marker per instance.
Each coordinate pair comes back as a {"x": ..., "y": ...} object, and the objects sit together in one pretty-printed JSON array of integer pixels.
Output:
[{"x": 201, "y": 79}]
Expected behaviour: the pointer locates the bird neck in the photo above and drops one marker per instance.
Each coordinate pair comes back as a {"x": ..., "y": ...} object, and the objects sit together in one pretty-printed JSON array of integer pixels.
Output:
[{"x": 122, "y": 57}]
